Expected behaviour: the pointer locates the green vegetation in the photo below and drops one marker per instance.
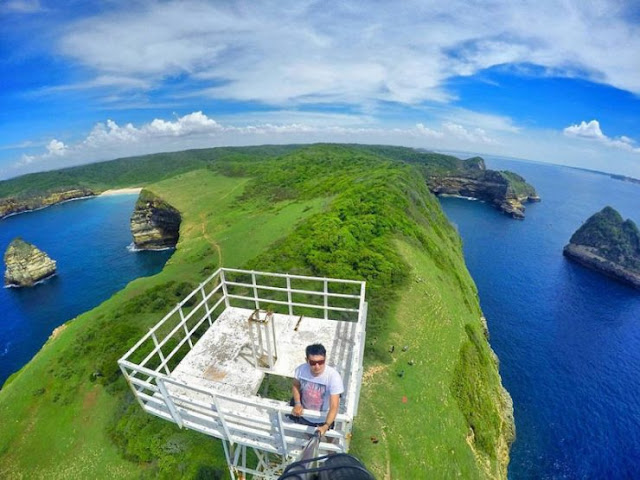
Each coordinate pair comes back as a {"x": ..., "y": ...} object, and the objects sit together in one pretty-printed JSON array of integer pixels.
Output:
[
  {"x": 133, "y": 171},
  {"x": 518, "y": 185},
  {"x": 335, "y": 210},
  {"x": 614, "y": 238}
]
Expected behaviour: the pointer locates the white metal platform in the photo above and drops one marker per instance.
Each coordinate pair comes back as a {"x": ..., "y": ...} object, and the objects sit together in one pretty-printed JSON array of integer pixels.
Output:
[{"x": 202, "y": 365}]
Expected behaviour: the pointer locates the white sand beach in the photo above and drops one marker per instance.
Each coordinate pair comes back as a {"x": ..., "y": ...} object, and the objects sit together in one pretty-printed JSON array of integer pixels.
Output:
[{"x": 122, "y": 191}]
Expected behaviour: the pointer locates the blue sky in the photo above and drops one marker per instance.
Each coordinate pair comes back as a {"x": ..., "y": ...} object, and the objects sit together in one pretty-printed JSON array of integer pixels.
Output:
[{"x": 542, "y": 80}]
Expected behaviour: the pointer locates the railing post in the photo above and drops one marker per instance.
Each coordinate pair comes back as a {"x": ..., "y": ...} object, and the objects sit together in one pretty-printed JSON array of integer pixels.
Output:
[
  {"x": 326, "y": 299},
  {"x": 184, "y": 324},
  {"x": 206, "y": 304},
  {"x": 222, "y": 420},
  {"x": 167, "y": 400},
  {"x": 162, "y": 359},
  {"x": 132, "y": 386},
  {"x": 224, "y": 288},
  {"x": 289, "y": 295},
  {"x": 282, "y": 436},
  {"x": 255, "y": 290}
]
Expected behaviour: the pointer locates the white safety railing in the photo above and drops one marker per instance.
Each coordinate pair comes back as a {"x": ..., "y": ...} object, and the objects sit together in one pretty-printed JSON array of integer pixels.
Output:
[{"x": 252, "y": 421}]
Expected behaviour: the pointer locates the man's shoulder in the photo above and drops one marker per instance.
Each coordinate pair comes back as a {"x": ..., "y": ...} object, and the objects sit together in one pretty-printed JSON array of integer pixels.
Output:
[{"x": 301, "y": 370}]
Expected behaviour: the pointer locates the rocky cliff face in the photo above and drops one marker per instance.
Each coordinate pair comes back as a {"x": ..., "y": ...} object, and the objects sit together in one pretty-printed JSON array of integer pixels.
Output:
[
  {"x": 608, "y": 244},
  {"x": 26, "y": 264},
  {"x": 155, "y": 224},
  {"x": 14, "y": 205},
  {"x": 589, "y": 257},
  {"x": 490, "y": 186}
]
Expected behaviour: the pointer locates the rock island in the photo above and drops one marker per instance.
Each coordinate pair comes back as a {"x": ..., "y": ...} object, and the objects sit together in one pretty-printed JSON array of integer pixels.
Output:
[
  {"x": 155, "y": 225},
  {"x": 26, "y": 264},
  {"x": 608, "y": 244}
]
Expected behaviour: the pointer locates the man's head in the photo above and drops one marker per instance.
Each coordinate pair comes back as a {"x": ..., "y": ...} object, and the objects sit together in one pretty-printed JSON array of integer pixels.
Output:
[{"x": 316, "y": 356}]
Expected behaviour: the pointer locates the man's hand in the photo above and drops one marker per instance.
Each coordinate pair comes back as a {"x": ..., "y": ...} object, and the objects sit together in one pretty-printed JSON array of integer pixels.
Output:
[
  {"x": 322, "y": 429},
  {"x": 297, "y": 410}
]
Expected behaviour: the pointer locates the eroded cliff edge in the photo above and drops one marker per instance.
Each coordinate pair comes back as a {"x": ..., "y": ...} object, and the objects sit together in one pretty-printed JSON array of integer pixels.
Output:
[
  {"x": 506, "y": 191},
  {"x": 155, "y": 225},
  {"x": 20, "y": 204},
  {"x": 608, "y": 244},
  {"x": 26, "y": 264}
]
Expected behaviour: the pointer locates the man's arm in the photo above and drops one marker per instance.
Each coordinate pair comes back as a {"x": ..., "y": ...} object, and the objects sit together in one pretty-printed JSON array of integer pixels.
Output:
[
  {"x": 295, "y": 392},
  {"x": 334, "y": 403}
]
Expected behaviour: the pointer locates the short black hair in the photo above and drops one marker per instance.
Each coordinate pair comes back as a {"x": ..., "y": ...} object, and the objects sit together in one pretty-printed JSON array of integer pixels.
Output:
[{"x": 316, "y": 349}]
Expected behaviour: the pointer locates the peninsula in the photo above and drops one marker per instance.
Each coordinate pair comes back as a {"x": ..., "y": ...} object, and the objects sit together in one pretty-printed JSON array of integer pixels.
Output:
[
  {"x": 12, "y": 205},
  {"x": 26, "y": 264},
  {"x": 449, "y": 175},
  {"x": 362, "y": 212},
  {"x": 608, "y": 244}
]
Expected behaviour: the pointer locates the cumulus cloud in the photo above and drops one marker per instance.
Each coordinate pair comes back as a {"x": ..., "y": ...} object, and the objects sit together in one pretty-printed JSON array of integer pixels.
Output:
[
  {"x": 591, "y": 131},
  {"x": 309, "y": 52},
  {"x": 110, "y": 140},
  {"x": 56, "y": 148}
]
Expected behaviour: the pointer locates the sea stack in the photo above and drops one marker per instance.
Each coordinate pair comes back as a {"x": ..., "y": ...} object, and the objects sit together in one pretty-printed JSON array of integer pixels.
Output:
[
  {"x": 155, "y": 225},
  {"x": 608, "y": 244},
  {"x": 26, "y": 264}
]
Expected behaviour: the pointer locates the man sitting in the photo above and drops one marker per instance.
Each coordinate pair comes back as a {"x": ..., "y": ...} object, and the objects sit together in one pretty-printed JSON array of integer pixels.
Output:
[{"x": 316, "y": 386}]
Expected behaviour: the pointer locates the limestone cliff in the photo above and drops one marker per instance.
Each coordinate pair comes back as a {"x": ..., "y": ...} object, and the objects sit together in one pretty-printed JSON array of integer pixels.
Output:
[
  {"x": 608, "y": 244},
  {"x": 155, "y": 224},
  {"x": 13, "y": 205},
  {"x": 26, "y": 264},
  {"x": 506, "y": 191}
]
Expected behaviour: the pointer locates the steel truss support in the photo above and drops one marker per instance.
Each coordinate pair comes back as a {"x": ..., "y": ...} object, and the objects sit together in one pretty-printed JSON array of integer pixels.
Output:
[{"x": 268, "y": 466}]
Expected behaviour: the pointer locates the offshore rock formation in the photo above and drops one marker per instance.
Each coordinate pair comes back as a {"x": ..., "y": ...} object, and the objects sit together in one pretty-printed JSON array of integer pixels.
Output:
[
  {"x": 506, "y": 191},
  {"x": 608, "y": 244},
  {"x": 155, "y": 224},
  {"x": 14, "y": 205},
  {"x": 26, "y": 264}
]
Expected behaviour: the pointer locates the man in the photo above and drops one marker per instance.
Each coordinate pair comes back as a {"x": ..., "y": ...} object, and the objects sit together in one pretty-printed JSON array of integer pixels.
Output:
[{"x": 316, "y": 386}]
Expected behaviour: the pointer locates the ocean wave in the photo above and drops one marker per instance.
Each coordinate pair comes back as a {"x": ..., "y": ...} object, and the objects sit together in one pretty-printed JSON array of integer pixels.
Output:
[
  {"x": 132, "y": 248},
  {"x": 5, "y": 350},
  {"x": 42, "y": 280},
  {"x": 452, "y": 195}
]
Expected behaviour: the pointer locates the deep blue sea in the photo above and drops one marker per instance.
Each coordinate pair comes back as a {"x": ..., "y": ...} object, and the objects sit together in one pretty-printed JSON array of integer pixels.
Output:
[
  {"x": 568, "y": 338},
  {"x": 88, "y": 239}
]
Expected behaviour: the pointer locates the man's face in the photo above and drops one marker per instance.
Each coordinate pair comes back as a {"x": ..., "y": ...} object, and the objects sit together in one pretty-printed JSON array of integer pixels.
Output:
[{"x": 316, "y": 364}]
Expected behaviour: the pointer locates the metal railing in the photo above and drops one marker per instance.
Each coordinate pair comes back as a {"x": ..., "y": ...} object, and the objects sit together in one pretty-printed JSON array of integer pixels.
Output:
[{"x": 252, "y": 421}]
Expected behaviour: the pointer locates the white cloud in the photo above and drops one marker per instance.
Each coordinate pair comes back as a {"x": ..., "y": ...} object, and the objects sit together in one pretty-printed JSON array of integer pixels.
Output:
[
  {"x": 196, "y": 130},
  {"x": 585, "y": 130},
  {"x": 592, "y": 131},
  {"x": 477, "y": 135},
  {"x": 308, "y": 52},
  {"x": 56, "y": 148}
]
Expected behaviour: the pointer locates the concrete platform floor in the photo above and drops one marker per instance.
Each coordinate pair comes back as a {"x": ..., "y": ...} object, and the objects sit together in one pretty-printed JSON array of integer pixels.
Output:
[{"x": 222, "y": 359}]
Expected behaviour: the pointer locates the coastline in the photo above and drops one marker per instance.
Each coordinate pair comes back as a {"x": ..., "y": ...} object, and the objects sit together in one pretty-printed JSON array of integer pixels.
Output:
[{"x": 121, "y": 191}]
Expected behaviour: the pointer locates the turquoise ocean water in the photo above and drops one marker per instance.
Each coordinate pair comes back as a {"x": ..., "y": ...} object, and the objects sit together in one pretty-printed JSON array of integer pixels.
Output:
[
  {"x": 568, "y": 338},
  {"x": 89, "y": 240}
]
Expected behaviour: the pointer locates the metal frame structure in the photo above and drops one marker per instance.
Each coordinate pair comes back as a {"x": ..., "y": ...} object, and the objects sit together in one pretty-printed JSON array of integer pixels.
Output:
[{"x": 259, "y": 440}]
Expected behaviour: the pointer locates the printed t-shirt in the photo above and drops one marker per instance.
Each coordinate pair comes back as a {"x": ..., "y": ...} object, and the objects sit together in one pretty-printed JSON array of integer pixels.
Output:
[{"x": 316, "y": 391}]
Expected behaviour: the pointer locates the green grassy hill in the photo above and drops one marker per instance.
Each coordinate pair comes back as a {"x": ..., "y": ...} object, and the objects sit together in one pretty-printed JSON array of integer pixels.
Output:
[{"x": 335, "y": 210}]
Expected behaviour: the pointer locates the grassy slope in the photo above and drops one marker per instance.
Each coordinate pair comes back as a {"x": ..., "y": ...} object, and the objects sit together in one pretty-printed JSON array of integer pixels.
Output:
[
  {"x": 426, "y": 437},
  {"x": 66, "y": 437},
  {"x": 419, "y": 291},
  {"x": 134, "y": 171}
]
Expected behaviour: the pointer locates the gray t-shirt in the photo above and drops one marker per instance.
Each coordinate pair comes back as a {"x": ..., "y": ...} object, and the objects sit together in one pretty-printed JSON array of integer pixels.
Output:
[{"x": 316, "y": 391}]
